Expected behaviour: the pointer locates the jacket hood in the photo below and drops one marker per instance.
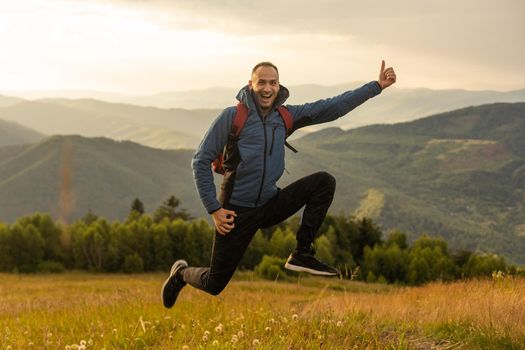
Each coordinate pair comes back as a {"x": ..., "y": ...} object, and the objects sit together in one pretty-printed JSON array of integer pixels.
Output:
[{"x": 245, "y": 96}]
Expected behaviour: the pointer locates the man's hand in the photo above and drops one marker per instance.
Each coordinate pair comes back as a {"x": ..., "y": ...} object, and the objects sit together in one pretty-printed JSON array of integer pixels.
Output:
[
  {"x": 223, "y": 220},
  {"x": 387, "y": 76}
]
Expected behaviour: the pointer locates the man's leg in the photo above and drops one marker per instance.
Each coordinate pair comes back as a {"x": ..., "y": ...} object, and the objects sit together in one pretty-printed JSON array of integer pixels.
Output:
[
  {"x": 227, "y": 252},
  {"x": 316, "y": 193}
]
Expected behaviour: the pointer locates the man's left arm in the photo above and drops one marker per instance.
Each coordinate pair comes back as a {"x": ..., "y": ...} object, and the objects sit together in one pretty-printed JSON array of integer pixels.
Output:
[{"x": 330, "y": 109}]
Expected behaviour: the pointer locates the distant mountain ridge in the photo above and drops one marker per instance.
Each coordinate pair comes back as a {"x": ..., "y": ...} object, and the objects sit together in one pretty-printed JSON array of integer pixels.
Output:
[
  {"x": 154, "y": 127},
  {"x": 12, "y": 133},
  {"x": 194, "y": 110}
]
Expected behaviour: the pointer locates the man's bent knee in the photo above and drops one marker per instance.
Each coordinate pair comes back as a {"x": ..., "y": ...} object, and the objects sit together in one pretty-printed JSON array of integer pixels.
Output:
[{"x": 327, "y": 180}]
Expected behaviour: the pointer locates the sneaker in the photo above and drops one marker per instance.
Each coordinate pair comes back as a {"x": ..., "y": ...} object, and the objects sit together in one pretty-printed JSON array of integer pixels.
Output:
[
  {"x": 172, "y": 286},
  {"x": 306, "y": 262}
]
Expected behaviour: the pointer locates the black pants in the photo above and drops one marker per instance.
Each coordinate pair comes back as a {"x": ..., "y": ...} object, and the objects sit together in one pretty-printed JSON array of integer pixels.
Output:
[{"x": 316, "y": 191}]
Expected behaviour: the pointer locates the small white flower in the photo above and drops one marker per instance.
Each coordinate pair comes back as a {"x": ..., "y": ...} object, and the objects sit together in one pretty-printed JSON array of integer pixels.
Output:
[
  {"x": 235, "y": 339},
  {"x": 240, "y": 334},
  {"x": 215, "y": 342},
  {"x": 205, "y": 338},
  {"x": 295, "y": 317},
  {"x": 271, "y": 320},
  {"x": 267, "y": 329},
  {"x": 82, "y": 343},
  {"x": 256, "y": 342},
  {"x": 206, "y": 333},
  {"x": 219, "y": 328},
  {"x": 339, "y": 323}
]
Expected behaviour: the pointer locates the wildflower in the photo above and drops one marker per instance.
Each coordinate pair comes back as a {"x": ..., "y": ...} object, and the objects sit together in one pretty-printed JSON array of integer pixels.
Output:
[
  {"x": 243, "y": 326},
  {"x": 256, "y": 342},
  {"x": 215, "y": 342},
  {"x": 272, "y": 321},
  {"x": 295, "y": 317},
  {"x": 339, "y": 324},
  {"x": 235, "y": 339},
  {"x": 81, "y": 347},
  {"x": 204, "y": 338},
  {"x": 219, "y": 328},
  {"x": 240, "y": 334},
  {"x": 267, "y": 329},
  {"x": 82, "y": 343}
]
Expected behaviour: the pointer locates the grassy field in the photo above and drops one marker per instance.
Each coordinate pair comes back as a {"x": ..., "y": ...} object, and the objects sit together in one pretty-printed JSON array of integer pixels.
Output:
[{"x": 90, "y": 311}]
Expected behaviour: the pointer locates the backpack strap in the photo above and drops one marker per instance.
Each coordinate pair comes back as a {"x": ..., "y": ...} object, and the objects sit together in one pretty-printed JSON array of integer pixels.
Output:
[
  {"x": 240, "y": 119},
  {"x": 287, "y": 119},
  {"x": 288, "y": 123}
]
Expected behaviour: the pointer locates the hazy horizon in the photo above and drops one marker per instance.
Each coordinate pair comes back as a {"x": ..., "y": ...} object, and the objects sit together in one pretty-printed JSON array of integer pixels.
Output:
[{"x": 141, "y": 48}]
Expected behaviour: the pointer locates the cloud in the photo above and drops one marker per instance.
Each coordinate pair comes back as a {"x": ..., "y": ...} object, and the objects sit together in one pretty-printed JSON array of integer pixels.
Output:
[{"x": 484, "y": 31}]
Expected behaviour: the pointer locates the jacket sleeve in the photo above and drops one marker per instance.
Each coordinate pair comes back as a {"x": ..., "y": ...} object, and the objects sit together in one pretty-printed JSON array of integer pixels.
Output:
[
  {"x": 330, "y": 109},
  {"x": 210, "y": 147}
]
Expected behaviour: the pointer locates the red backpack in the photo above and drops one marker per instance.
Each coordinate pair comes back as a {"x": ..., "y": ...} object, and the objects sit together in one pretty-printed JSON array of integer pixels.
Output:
[{"x": 238, "y": 123}]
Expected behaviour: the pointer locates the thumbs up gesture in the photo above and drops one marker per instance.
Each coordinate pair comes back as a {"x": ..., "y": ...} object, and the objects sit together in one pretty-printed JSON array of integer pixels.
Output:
[{"x": 387, "y": 76}]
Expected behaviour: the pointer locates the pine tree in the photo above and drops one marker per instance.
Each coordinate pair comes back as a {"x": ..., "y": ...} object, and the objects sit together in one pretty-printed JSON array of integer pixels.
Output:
[{"x": 137, "y": 206}]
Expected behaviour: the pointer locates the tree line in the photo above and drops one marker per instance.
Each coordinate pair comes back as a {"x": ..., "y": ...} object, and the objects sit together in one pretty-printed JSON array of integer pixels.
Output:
[{"x": 144, "y": 242}]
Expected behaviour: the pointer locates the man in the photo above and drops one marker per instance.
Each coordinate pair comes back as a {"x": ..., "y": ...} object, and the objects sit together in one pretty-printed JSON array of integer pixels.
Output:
[{"x": 249, "y": 197}]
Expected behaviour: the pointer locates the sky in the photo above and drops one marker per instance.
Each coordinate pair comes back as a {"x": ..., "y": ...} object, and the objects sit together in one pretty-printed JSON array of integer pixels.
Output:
[{"x": 146, "y": 47}]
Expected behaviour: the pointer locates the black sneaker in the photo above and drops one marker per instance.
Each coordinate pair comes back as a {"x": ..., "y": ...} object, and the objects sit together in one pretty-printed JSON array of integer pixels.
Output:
[
  {"x": 172, "y": 286},
  {"x": 306, "y": 262}
]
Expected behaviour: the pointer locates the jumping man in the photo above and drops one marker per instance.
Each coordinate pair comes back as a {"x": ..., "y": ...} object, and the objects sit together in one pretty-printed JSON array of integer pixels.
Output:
[{"x": 253, "y": 163}]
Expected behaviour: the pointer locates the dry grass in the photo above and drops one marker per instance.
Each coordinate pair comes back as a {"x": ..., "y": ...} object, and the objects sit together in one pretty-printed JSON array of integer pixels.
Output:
[{"x": 122, "y": 311}]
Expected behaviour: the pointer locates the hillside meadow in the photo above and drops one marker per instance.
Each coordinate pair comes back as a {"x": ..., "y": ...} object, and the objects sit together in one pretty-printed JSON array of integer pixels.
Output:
[{"x": 110, "y": 311}]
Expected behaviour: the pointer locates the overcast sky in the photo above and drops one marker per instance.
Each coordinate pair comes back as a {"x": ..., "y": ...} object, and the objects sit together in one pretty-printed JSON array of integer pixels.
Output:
[{"x": 142, "y": 47}]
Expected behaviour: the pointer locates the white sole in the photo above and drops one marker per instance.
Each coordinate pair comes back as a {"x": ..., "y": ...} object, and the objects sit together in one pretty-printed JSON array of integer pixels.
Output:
[{"x": 305, "y": 269}]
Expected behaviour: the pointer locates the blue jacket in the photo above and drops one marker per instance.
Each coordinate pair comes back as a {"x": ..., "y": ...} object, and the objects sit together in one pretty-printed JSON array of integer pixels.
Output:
[{"x": 261, "y": 144}]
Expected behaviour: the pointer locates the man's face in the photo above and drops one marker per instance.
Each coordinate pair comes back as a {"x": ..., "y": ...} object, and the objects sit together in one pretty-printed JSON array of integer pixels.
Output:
[{"x": 265, "y": 85}]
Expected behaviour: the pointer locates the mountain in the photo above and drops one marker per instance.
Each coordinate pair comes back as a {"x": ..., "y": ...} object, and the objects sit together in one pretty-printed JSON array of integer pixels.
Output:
[
  {"x": 201, "y": 107},
  {"x": 167, "y": 129},
  {"x": 14, "y": 134},
  {"x": 459, "y": 174},
  {"x": 6, "y": 101},
  {"x": 67, "y": 175}
]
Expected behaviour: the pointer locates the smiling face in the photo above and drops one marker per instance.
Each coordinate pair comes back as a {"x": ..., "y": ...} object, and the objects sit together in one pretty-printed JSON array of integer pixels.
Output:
[{"x": 265, "y": 85}]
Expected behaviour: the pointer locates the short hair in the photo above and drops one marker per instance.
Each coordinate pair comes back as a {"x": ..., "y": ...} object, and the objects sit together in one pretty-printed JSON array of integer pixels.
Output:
[{"x": 265, "y": 64}]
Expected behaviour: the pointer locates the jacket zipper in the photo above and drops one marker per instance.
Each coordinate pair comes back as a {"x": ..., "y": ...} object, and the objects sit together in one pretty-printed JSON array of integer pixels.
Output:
[
  {"x": 273, "y": 137},
  {"x": 263, "y": 120}
]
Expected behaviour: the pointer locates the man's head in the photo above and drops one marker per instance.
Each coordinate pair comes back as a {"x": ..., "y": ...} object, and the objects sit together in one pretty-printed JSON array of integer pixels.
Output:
[{"x": 265, "y": 84}]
